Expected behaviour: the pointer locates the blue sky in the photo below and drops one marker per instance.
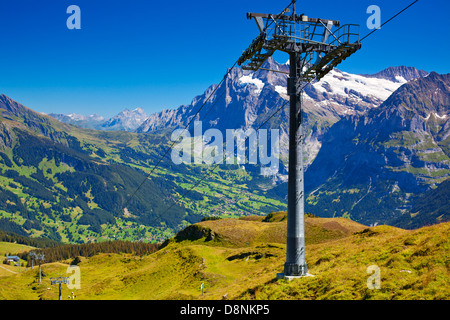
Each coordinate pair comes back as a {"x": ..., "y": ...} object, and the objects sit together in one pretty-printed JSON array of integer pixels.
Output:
[{"x": 160, "y": 54}]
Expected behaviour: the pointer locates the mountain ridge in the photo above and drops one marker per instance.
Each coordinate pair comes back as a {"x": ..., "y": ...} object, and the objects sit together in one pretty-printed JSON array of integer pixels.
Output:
[
  {"x": 126, "y": 120},
  {"x": 407, "y": 73},
  {"x": 257, "y": 83},
  {"x": 168, "y": 117},
  {"x": 397, "y": 150}
]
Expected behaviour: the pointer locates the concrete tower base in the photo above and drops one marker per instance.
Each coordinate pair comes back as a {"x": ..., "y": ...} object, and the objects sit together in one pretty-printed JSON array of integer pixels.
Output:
[{"x": 282, "y": 276}]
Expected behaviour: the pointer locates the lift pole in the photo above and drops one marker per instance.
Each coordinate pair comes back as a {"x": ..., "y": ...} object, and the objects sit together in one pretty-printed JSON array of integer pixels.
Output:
[
  {"x": 40, "y": 257},
  {"x": 60, "y": 281},
  {"x": 32, "y": 255},
  {"x": 295, "y": 251},
  {"x": 295, "y": 264},
  {"x": 315, "y": 47}
]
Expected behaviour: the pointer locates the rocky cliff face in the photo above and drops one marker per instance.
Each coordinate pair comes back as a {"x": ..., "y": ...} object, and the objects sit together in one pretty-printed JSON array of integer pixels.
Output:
[{"x": 395, "y": 151}]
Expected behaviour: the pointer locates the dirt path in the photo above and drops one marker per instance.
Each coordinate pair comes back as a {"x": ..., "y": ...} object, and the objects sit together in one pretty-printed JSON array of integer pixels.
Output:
[{"x": 8, "y": 269}]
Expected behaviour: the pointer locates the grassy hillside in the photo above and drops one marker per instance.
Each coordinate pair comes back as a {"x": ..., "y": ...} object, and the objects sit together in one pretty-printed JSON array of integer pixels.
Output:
[
  {"x": 8, "y": 247},
  {"x": 239, "y": 259}
]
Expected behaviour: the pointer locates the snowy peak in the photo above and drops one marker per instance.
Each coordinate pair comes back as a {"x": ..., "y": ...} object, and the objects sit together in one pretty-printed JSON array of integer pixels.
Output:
[
  {"x": 257, "y": 83},
  {"x": 138, "y": 112},
  {"x": 80, "y": 117},
  {"x": 89, "y": 122},
  {"x": 355, "y": 91},
  {"x": 350, "y": 92},
  {"x": 399, "y": 74},
  {"x": 126, "y": 120}
]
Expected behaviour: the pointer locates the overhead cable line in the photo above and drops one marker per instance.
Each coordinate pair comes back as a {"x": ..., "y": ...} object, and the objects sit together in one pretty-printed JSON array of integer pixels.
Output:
[
  {"x": 276, "y": 112},
  {"x": 393, "y": 17},
  {"x": 203, "y": 105}
]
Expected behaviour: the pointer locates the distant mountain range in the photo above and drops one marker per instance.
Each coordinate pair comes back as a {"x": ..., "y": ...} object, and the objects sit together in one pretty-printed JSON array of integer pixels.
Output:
[
  {"x": 246, "y": 99},
  {"x": 377, "y": 151},
  {"x": 127, "y": 120},
  {"x": 338, "y": 94}
]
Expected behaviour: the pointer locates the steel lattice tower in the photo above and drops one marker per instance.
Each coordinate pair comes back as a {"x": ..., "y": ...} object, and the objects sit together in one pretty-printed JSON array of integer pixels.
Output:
[{"x": 315, "y": 47}]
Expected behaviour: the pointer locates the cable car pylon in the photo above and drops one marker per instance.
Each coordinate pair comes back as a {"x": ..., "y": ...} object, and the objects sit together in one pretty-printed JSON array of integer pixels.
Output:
[{"x": 315, "y": 46}]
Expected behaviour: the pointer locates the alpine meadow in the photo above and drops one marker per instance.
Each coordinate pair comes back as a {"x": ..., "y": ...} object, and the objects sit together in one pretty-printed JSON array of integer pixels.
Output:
[{"x": 316, "y": 168}]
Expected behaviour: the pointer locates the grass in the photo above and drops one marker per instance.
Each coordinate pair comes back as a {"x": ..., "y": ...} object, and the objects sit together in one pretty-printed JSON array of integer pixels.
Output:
[
  {"x": 7, "y": 247},
  {"x": 243, "y": 257},
  {"x": 434, "y": 157},
  {"x": 413, "y": 265}
]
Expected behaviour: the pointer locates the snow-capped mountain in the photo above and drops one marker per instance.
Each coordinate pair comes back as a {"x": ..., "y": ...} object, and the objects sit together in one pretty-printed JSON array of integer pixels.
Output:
[
  {"x": 246, "y": 99},
  {"x": 127, "y": 120},
  {"x": 401, "y": 73},
  {"x": 89, "y": 122},
  {"x": 338, "y": 93},
  {"x": 385, "y": 157}
]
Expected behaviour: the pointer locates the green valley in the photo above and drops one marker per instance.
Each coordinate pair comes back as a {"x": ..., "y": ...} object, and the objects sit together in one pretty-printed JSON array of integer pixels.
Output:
[{"x": 79, "y": 185}]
